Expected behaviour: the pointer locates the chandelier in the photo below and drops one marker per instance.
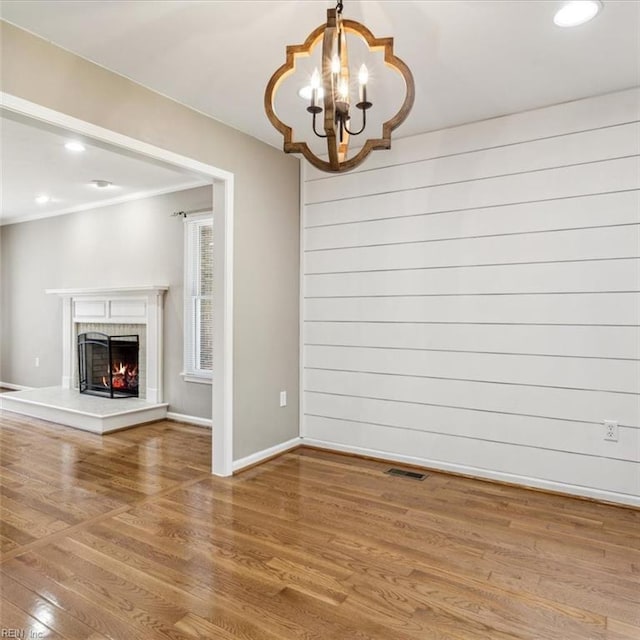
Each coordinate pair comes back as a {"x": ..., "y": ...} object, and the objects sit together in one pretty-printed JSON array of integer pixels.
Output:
[{"x": 330, "y": 94}]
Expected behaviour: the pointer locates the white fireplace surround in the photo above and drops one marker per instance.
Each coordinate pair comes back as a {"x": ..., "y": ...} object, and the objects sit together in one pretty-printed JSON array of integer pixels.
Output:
[{"x": 142, "y": 305}]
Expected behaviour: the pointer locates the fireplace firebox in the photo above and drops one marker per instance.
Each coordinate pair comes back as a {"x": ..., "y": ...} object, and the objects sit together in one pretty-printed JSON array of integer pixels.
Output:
[{"x": 108, "y": 365}]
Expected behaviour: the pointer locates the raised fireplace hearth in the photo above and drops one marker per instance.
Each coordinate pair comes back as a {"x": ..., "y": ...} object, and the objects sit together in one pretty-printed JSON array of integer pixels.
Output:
[
  {"x": 108, "y": 365},
  {"x": 114, "y": 313}
]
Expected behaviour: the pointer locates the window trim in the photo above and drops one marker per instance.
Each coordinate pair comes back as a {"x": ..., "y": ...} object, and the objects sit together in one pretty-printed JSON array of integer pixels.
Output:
[{"x": 190, "y": 372}]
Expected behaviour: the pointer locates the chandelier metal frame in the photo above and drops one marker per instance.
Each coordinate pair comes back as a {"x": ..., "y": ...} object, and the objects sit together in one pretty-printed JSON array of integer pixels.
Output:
[{"x": 335, "y": 105}]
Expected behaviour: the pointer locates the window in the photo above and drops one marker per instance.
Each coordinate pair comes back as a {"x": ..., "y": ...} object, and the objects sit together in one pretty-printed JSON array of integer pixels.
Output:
[{"x": 198, "y": 299}]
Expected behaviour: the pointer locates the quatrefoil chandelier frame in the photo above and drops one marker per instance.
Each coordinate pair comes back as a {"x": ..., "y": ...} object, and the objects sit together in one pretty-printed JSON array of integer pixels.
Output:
[{"x": 331, "y": 89}]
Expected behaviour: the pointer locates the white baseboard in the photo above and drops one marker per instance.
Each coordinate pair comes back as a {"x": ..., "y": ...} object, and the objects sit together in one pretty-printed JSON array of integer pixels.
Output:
[
  {"x": 259, "y": 456},
  {"x": 524, "y": 481},
  {"x": 181, "y": 417},
  {"x": 13, "y": 387}
]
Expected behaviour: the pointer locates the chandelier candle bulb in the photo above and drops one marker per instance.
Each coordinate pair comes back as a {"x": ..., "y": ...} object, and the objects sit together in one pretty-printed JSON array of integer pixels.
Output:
[
  {"x": 315, "y": 84},
  {"x": 335, "y": 64},
  {"x": 344, "y": 90},
  {"x": 314, "y": 87},
  {"x": 363, "y": 77}
]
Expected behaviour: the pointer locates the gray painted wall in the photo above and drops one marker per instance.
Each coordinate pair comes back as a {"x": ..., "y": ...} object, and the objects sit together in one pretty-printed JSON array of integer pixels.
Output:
[
  {"x": 266, "y": 216},
  {"x": 134, "y": 243}
]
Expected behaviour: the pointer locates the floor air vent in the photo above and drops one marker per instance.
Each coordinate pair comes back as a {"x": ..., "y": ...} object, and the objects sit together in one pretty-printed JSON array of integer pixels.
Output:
[{"x": 414, "y": 475}]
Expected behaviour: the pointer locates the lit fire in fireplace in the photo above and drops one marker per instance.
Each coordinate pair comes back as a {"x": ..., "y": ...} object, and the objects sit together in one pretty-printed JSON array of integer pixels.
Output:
[{"x": 123, "y": 376}]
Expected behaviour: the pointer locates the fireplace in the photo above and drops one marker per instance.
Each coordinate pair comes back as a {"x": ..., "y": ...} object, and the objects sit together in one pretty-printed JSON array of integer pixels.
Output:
[
  {"x": 116, "y": 312},
  {"x": 108, "y": 365}
]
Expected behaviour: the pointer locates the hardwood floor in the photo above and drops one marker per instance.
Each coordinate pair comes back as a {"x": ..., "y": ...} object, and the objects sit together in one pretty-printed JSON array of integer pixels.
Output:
[{"x": 128, "y": 536}]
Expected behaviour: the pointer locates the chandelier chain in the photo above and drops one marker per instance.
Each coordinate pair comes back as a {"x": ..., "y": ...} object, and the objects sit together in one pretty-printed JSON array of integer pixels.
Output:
[{"x": 339, "y": 7}]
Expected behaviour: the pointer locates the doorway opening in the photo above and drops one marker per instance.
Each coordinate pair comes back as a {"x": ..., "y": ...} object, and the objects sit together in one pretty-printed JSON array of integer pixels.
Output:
[{"x": 223, "y": 188}]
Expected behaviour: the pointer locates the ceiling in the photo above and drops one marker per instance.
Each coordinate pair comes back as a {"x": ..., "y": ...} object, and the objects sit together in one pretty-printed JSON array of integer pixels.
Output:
[
  {"x": 471, "y": 60},
  {"x": 35, "y": 162}
]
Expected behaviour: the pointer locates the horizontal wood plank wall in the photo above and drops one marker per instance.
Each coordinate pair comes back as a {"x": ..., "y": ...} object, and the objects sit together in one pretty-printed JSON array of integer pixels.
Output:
[{"x": 472, "y": 300}]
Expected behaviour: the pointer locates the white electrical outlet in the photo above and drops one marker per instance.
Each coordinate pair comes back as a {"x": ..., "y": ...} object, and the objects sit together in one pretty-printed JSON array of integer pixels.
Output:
[
  {"x": 611, "y": 430},
  {"x": 283, "y": 398},
  {"x": 37, "y": 362}
]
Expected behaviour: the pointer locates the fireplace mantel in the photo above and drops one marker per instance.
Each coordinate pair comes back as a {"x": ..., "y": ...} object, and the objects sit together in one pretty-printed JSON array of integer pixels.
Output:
[
  {"x": 127, "y": 305},
  {"x": 100, "y": 291}
]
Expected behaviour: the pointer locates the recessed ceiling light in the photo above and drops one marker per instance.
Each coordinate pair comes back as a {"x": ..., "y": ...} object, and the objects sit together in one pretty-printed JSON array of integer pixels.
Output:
[
  {"x": 101, "y": 184},
  {"x": 577, "y": 12},
  {"x": 74, "y": 145},
  {"x": 43, "y": 199}
]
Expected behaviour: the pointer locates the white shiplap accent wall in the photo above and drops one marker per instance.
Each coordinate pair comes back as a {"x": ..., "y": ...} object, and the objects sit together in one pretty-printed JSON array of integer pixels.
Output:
[{"x": 471, "y": 300}]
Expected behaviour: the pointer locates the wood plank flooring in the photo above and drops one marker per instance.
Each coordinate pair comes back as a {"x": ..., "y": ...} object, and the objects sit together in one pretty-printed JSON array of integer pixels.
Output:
[{"x": 128, "y": 536}]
